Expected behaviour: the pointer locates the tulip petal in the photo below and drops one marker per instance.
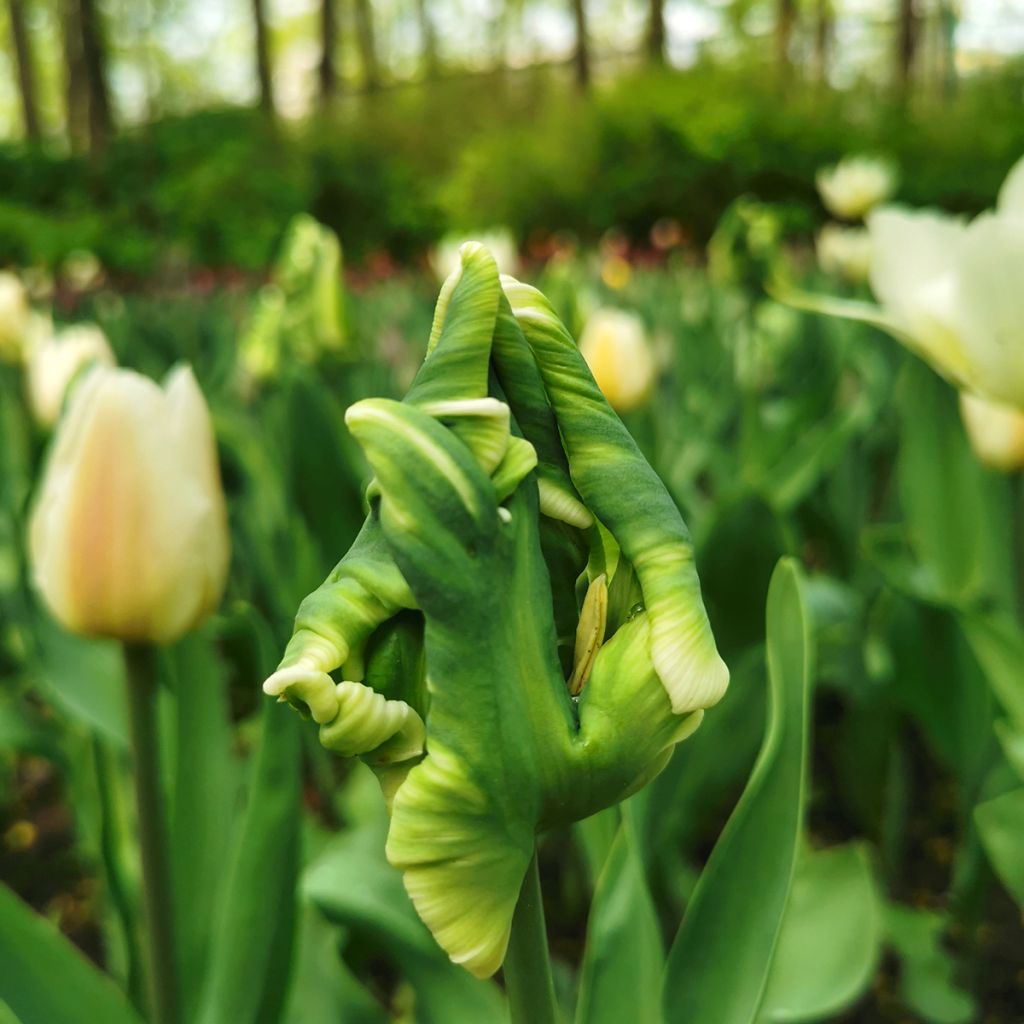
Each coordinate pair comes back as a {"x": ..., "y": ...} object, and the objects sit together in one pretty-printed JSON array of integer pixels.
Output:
[{"x": 625, "y": 494}]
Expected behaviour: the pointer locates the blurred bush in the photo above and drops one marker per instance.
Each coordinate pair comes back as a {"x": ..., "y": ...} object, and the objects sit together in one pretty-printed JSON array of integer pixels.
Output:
[{"x": 396, "y": 171}]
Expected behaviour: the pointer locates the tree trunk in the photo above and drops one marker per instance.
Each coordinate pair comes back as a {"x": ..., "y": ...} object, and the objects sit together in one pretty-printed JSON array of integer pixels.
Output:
[
  {"x": 785, "y": 21},
  {"x": 76, "y": 86},
  {"x": 906, "y": 45},
  {"x": 948, "y": 21},
  {"x": 26, "y": 78},
  {"x": 581, "y": 56},
  {"x": 824, "y": 29},
  {"x": 656, "y": 31},
  {"x": 428, "y": 39},
  {"x": 328, "y": 71},
  {"x": 367, "y": 45},
  {"x": 94, "y": 59},
  {"x": 263, "y": 72}
]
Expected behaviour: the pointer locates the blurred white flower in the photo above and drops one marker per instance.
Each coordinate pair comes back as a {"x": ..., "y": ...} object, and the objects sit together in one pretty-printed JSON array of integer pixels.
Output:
[
  {"x": 444, "y": 257},
  {"x": 951, "y": 291},
  {"x": 81, "y": 270},
  {"x": 996, "y": 432},
  {"x": 617, "y": 350},
  {"x": 54, "y": 363},
  {"x": 855, "y": 185},
  {"x": 128, "y": 536},
  {"x": 14, "y": 316},
  {"x": 845, "y": 252}
]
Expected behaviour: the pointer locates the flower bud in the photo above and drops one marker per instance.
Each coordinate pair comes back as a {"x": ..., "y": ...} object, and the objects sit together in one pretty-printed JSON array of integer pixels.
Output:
[
  {"x": 14, "y": 316},
  {"x": 996, "y": 432},
  {"x": 128, "y": 537},
  {"x": 855, "y": 185},
  {"x": 615, "y": 346},
  {"x": 54, "y": 363},
  {"x": 845, "y": 252}
]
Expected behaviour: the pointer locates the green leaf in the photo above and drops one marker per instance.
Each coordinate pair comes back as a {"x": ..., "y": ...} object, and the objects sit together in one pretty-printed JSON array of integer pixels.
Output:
[
  {"x": 926, "y": 977},
  {"x": 45, "y": 979},
  {"x": 203, "y": 801},
  {"x": 998, "y": 644},
  {"x": 624, "y": 958},
  {"x": 353, "y": 885},
  {"x": 720, "y": 961},
  {"x": 254, "y": 933},
  {"x": 85, "y": 679},
  {"x": 1001, "y": 827},
  {"x": 946, "y": 493},
  {"x": 819, "y": 968}
]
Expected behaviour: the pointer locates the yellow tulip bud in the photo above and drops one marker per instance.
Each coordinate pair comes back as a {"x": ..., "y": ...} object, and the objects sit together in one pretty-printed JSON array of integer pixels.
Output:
[
  {"x": 54, "y": 363},
  {"x": 996, "y": 432},
  {"x": 128, "y": 537},
  {"x": 615, "y": 346},
  {"x": 14, "y": 317}
]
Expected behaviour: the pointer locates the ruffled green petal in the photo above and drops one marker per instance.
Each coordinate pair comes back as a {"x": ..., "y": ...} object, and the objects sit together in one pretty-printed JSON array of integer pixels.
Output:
[
  {"x": 463, "y": 862},
  {"x": 624, "y": 493},
  {"x": 367, "y": 721},
  {"x": 520, "y": 460}
]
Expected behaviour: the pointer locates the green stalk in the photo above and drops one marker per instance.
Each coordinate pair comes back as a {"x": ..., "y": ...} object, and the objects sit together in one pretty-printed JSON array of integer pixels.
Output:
[
  {"x": 528, "y": 981},
  {"x": 140, "y": 663}
]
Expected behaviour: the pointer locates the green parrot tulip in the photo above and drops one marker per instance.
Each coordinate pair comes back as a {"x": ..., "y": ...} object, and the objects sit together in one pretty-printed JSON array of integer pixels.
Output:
[{"x": 518, "y": 626}]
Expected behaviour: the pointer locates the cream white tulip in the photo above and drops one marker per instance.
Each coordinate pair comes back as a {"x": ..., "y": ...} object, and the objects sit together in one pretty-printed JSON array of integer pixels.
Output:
[
  {"x": 615, "y": 345},
  {"x": 845, "y": 252},
  {"x": 445, "y": 259},
  {"x": 54, "y": 363},
  {"x": 951, "y": 291},
  {"x": 855, "y": 185},
  {"x": 996, "y": 432},
  {"x": 128, "y": 536},
  {"x": 14, "y": 316}
]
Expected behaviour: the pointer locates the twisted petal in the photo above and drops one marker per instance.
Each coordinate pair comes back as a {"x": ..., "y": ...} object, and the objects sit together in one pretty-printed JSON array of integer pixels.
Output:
[{"x": 623, "y": 491}]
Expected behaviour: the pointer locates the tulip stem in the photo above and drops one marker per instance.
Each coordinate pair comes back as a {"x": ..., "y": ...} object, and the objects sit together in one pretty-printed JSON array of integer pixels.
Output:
[
  {"x": 140, "y": 662},
  {"x": 528, "y": 981}
]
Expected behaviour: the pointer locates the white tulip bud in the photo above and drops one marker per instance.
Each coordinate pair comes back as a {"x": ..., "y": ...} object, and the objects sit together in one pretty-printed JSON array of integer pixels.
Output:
[
  {"x": 54, "y": 363},
  {"x": 615, "y": 345},
  {"x": 855, "y": 185},
  {"x": 14, "y": 317},
  {"x": 128, "y": 537},
  {"x": 996, "y": 432}
]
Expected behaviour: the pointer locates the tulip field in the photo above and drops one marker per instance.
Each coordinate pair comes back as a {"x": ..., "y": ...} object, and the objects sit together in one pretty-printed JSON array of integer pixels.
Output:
[
  {"x": 611, "y": 613},
  {"x": 803, "y": 805}
]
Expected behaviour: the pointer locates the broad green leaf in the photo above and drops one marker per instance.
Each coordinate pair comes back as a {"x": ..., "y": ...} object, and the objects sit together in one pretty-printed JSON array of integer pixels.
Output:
[
  {"x": 202, "y": 801},
  {"x": 85, "y": 679},
  {"x": 830, "y": 939},
  {"x": 947, "y": 494},
  {"x": 720, "y": 961},
  {"x": 353, "y": 885},
  {"x": 323, "y": 988},
  {"x": 1001, "y": 827},
  {"x": 254, "y": 933},
  {"x": 926, "y": 976},
  {"x": 624, "y": 957},
  {"x": 998, "y": 644},
  {"x": 45, "y": 979}
]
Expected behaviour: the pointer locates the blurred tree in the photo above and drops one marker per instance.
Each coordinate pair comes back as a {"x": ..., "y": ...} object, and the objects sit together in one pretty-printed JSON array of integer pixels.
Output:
[
  {"x": 785, "y": 22},
  {"x": 263, "y": 72},
  {"x": 367, "y": 45},
  {"x": 656, "y": 31},
  {"x": 22, "y": 46},
  {"x": 947, "y": 26},
  {"x": 428, "y": 39},
  {"x": 906, "y": 43},
  {"x": 328, "y": 70},
  {"x": 89, "y": 119},
  {"x": 824, "y": 34},
  {"x": 581, "y": 55}
]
